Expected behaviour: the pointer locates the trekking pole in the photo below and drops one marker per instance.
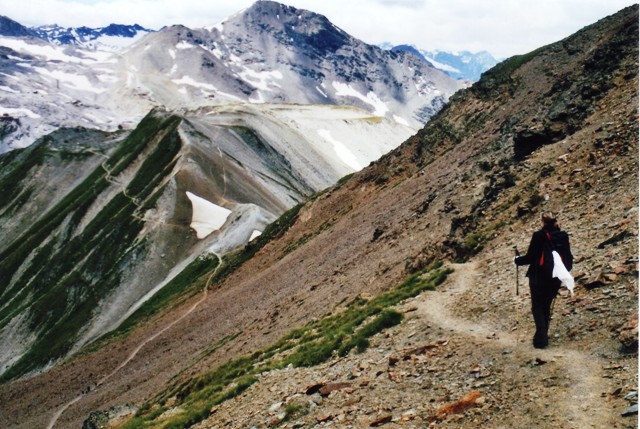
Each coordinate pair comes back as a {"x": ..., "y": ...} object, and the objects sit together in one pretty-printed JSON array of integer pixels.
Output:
[{"x": 517, "y": 273}]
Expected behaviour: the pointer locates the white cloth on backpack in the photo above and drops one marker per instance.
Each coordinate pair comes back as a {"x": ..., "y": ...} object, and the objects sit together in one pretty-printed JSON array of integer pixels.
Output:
[{"x": 561, "y": 273}]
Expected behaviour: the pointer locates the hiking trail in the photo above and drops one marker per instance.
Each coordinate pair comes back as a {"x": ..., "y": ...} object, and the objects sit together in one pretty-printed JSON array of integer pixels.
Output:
[
  {"x": 579, "y": 404},
  {"x": 140, "y": 346}
]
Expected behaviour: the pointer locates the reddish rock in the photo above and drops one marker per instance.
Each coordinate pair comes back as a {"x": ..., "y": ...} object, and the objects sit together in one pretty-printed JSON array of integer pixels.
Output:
[
  {"x": 395, "y": 376},
  {"x": 324, "y": 418},
  {"x": 629, "y": 333},
  {"x": 595, "y": 281},
  {"x": 332, "y": 387},
  {"x": 314, "y": 388},
  {"x": 457, "y": 407},
  {"x": 383, "y": 420}
]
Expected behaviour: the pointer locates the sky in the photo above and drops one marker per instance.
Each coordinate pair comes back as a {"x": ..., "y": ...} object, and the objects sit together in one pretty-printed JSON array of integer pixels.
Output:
[{"x": 501, "y": 27}]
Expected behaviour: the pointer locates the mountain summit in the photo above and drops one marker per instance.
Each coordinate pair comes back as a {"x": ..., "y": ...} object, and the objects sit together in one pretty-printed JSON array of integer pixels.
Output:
[
  {"x": 276, "y": 53},
  {"x": 268, "y": 53}
]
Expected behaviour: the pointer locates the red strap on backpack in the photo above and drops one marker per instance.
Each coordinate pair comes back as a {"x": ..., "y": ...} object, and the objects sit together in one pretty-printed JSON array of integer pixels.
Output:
[{"x": 542, "y": 255}]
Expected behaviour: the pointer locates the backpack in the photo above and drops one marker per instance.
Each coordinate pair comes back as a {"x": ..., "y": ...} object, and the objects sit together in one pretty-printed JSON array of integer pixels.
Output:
[{"x": 558, "y": 241}]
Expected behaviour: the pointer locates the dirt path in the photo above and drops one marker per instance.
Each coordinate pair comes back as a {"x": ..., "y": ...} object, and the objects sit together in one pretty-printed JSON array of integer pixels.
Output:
[
  {"x": 140, "y": 346},
  {"x": 580, "y": 404}
]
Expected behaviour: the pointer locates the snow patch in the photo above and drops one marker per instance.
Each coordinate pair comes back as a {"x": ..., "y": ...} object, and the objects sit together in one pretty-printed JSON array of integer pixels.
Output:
[
  {"x": 442, "y": 66},
  {"x": 7, "y": 89},
  {"x": 255, "y": 234},
  {"x": 117, "y": 43},
  {"x": 18, "y": 112},
  {"x": 73, "y": 80},
  {"x": 400, "y": 120},
  {"x": 172, "y": 53},
  {"x": 261, "y": 80},
  {"x": 207, "y": 216},
  {"x": 345, "y": 90},
  {"x": 321, "y": 92},
  {"x": 186, "y": 80},
  {"x": 184, "y": 45},
  {"x": 342, "y": 151},
  {"x": 49, "y": 52}
]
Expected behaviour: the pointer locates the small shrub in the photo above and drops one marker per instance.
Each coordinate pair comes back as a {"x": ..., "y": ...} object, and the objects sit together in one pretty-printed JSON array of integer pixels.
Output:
[
  {"x": 473, "y": 243},
  {"x": 485, "y": 165},
  {"x": 535, "y": 199}
]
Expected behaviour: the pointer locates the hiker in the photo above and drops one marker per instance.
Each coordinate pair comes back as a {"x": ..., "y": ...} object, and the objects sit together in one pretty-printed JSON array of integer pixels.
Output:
[{"x": 543, "y": 286}]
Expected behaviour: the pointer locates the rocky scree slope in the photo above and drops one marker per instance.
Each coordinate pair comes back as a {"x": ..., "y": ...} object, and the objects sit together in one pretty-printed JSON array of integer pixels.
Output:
[{"x": 553, "y": 130}]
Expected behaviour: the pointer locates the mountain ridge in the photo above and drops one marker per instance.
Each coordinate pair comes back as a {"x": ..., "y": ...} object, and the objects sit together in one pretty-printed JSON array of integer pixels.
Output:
[{"x": 47, "y": 86}]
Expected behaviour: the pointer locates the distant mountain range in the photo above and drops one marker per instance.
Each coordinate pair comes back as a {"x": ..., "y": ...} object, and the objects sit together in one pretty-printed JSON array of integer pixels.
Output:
[
  {"x": 111, "y": 37},
  {"x": 462, "y": 65},
  {"x": 269, "y": 53}
]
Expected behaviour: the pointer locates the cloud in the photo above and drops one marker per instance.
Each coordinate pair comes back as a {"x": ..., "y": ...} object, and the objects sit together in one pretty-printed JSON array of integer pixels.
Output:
[
  {"x": 411, "y": 4},
  {"x": 502, "y": 27}
]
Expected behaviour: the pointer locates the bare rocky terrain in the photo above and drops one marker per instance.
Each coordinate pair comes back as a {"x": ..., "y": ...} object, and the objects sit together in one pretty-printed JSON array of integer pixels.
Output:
[{"x": 553, "y": 130}]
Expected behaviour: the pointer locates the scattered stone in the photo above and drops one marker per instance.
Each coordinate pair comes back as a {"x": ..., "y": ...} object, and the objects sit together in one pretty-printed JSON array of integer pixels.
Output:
[
  {"x": 102, "y": 419},
  {"x": 615, "y": 239},
  {"x": 457, "y": 407},
  {"x": 275, "y": 407},
  {"x": 393, "y": 360},
  {"x": 631, "y": 411},
  {"x": 620, "y": 270},
  {"x": 538, "y": 362},
  {"x": 595, "y": 281},
  {"x": 395, "y": 376},
  {"x": 383, "y": 420},
  {"x": 324, "y": 418},
  {"x": 631, "y": 396},
  {"x": 332, "y": 387},
  {"x": 313, "y": 388},
  {"x": 408, "y": 416},
  {"x": 629, "y": 334}
]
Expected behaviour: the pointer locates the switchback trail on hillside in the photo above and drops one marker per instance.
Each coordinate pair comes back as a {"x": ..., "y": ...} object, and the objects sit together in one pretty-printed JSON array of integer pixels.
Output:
[
  {"x": 580, "y": 404},
  {"x": 140, "y": 346}
]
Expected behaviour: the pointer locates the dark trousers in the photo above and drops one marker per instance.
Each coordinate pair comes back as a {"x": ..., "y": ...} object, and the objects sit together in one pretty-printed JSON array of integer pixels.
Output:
[{"x": 542, "y": 295}]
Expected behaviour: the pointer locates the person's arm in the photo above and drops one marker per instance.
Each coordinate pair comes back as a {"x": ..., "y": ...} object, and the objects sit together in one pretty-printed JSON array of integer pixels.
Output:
[{"x": 533, "y": 252}]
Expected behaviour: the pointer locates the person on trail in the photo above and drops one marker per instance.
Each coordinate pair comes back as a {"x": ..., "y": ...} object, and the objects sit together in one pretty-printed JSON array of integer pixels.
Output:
[{"x": 544, "y": 287}]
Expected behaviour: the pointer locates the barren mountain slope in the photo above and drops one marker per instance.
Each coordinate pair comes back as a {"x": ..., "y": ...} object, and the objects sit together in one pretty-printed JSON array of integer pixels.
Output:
[{"x": 553, "y": 130}]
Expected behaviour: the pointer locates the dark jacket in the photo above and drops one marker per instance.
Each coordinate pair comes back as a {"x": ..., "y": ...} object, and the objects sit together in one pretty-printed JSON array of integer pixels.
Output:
[{"x": 539, "y": 241}]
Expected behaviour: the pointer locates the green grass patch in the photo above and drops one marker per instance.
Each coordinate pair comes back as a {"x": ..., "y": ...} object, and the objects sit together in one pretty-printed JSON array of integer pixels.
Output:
[
  {"x": 69, "y": 275},
  {"x": 333, "y": 335}
]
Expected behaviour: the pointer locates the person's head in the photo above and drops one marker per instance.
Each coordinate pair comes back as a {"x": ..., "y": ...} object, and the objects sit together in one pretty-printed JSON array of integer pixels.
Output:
[{"x": 549, "y": 220}]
